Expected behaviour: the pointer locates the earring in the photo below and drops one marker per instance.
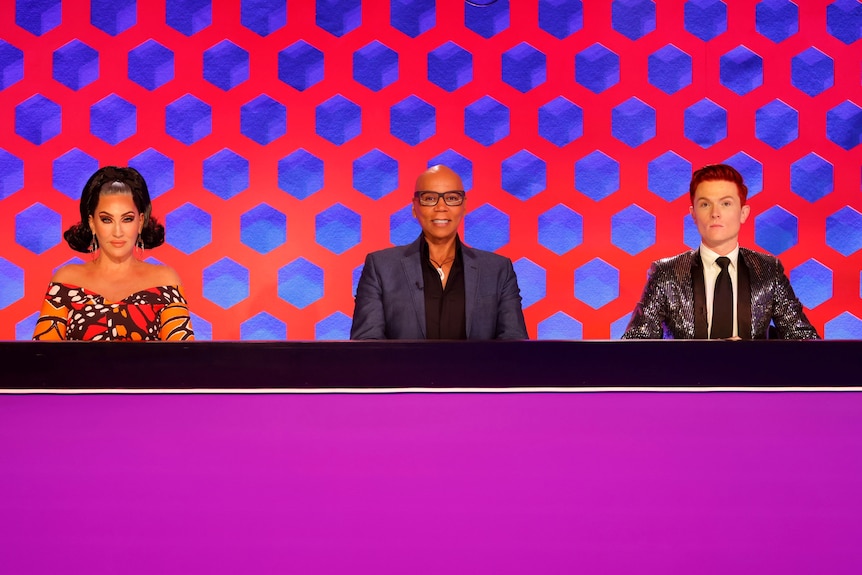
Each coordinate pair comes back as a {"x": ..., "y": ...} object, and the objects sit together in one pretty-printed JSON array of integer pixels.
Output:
[
  {"x": 94, "y": 245},
  {"x": 139, "y": 248}
]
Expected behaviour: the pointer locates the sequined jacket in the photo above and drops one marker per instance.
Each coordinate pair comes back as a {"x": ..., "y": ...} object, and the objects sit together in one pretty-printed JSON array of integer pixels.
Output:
[{"x": 673, "y": 304}]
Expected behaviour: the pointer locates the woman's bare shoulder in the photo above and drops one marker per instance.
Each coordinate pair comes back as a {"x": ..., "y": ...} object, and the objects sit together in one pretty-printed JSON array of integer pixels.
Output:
[
  {"x": 162, "y": 275},
  {"x": 72, "y": 274}
]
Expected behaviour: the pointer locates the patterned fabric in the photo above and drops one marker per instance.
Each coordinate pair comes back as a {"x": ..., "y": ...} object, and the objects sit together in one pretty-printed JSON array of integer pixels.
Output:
[
  {"x": 75, "y": 313},
  {"x": 667, "y": 307}
]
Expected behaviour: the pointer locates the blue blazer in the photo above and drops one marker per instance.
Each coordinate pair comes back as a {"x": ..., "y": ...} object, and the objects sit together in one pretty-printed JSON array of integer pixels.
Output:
[{"x": 390, "y": 301}]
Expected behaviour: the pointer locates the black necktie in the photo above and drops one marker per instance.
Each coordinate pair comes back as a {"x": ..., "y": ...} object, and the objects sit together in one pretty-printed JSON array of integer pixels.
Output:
[{"x": 722, "y": 303}]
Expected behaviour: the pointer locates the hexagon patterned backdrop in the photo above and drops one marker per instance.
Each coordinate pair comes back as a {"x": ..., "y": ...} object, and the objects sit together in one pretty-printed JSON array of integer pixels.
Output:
[{"x": 281, "y": 139}]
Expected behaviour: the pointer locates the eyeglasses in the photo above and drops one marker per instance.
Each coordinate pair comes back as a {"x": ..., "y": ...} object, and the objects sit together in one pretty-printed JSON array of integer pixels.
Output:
[{"x": 429, "y": 199}]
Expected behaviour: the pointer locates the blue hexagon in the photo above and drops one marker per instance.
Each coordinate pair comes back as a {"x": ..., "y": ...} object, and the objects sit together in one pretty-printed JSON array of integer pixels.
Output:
[
  {"x": 668, "y": 176},
  {"x": 524, "y": 67},
  {"x": 188, "y": 228},
  {"x": 597, "y": 283},
  {"x": 334, "y": 327},
  {"x": 11, "y": 174},
  {"x": 561, "y": 122},
  {"x": 357, "y": 273},
  {"x": 524, "y": 175},
  {"x": 776, "y": 124},
  {"x": 618, "y": 328},
  {"x": 300, "y": 65},
  {"x": 69, "y": 172},
  {"x": 597, "y": 175},
  {"x": 375, "y": 174},
  {"x": 375, "y": 66},
  {"x": 811, "y": 177},
  {"x": 844, "y": 125},
  {"x": 338, "y": 17},
  {"x": 450, "y": 66},
  {"x": 741, "y": 70},
  {"x": 633, "y": 230},
  {"x": 225, "y": 283},
  {"x": 300, "y": 283},
  {"x": 203, "y": 328},
  {"x": 843, "y": 326},
  {"x": 705, "y": 19},
  {"x": 705, "y": 123},
  {"x": 75, "y": 65},
  {"x": 38, "y": 16},
  {"x": 225, "y": 174},
  {"x": 412, "y": 17},
  {"x": 23, "y": 329},
  {"x": 113, "y": 16},
  {"x": 458, "y": 163},
  {"x": 403, "y": 227},
  {"x": 778, "y": 20},
  {"x": 37, "y": 119},
  {"x": 812, "y": 71},
  {"x": 263, "y": 17},
  {"x": 669, "y": 69},
  {"x": 157, "y": 169},
  {"x": 188, "y": 16},
  {"x": 486, "y": 228},
  {"x": 690, "y": 233},
  {"x": 633, "y": 122},
  {"x": 113, "y": 119},
  {"x": 11, "y": 64},
  {"x": 487, "y": 18},
  {"x": 561, "y": 18},
  {"x": 412, "y": 120},
  {"x": 532, "y": 280},
  {"x": 844, "y": 20},
  {"x": 486, "y": 120},
  {"x": 751, "y": 171},
  {"x": 188, "y": 119},
  {"x": 338, "y": 120},
  {"x": 560, "y": 326},
  {"x": 263, "y": 228},
  {"x": 151, "y": 65},
  {"x": 263, "y": 119},
  {"x": 561, "y": 229},
  {"x": 844, "y": 231},
  {"x": 633, "y": 19},
  {"x": 597, "y": 68},
  {"x": 225, "y": 65},
  {"x": 300, "y": 174},
  {"x": 338, "y": 228},
  {"x": 11, "y": 285},
  {"x": 262, "y": 327},
  {"x": 776, "y": 230},
  {"x": 812, "y": 282},
  {"x": 38, "y": 228}
]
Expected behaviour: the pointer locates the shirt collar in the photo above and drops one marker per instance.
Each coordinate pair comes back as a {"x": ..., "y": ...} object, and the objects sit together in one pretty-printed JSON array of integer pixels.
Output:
[{"x": 708, "y": 257}]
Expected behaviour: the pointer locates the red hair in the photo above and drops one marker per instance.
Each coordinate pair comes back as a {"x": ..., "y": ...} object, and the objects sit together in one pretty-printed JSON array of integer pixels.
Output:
[{"x": 720, "y": 172}]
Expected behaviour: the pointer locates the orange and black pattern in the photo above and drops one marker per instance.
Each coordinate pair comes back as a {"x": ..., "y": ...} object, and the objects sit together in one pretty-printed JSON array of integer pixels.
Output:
[{"x": 75, "y": 313}]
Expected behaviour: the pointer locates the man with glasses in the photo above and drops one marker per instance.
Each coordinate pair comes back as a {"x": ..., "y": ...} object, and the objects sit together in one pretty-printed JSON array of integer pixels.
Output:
[{"x": 436, "y": 287}]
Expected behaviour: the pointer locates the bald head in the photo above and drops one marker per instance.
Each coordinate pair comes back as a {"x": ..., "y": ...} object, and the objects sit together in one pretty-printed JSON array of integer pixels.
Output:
[{"x": 439, "y": 178}]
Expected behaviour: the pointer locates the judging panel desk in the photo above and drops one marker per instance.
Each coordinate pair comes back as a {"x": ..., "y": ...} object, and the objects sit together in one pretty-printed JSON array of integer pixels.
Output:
[{"x": 431, "y": 457}]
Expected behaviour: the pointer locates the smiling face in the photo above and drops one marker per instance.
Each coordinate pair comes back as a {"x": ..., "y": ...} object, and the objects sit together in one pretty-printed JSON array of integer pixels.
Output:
[
  {"x": 718, "y": 212},
  {"x": 439, "y": 223},
  {"x": 116, "y": 224}
]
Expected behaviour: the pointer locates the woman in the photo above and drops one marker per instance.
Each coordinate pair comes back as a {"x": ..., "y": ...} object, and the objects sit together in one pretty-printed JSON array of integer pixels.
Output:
[{"x": 115, "y": 296}]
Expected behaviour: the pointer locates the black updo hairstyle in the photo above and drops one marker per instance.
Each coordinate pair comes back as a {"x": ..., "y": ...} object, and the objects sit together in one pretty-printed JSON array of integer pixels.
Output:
[{"x": 114, "y": 180}]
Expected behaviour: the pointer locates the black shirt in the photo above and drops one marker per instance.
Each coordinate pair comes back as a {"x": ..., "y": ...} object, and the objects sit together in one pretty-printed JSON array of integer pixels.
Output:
[{"x": 445, "y": 315}]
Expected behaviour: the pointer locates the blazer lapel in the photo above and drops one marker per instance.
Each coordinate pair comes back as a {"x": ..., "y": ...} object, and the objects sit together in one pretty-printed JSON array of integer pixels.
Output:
[
  {"x": 701, "y": 328},
  {"x": 471, "y": 285},
  {"x": 412, "y": 266},
  {"x": 743, "y": 298}
]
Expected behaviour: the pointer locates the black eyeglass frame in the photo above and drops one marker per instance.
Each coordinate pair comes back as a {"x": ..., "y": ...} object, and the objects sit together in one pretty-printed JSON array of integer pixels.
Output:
[{"x": 440, "y": 195}]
